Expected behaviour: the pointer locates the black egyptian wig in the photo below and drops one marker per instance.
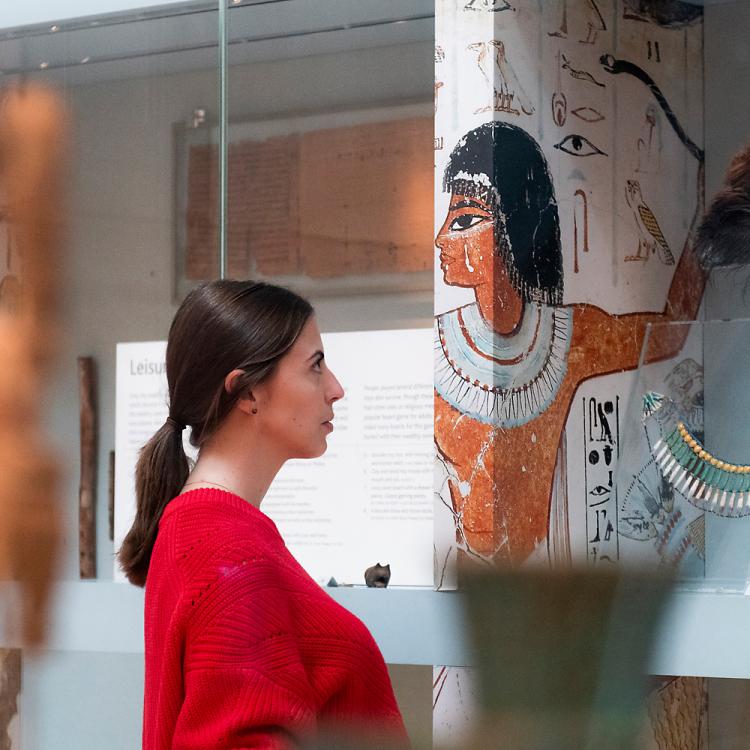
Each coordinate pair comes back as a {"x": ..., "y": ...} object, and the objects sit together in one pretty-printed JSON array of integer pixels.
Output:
[{"x": 503, "y": 166}]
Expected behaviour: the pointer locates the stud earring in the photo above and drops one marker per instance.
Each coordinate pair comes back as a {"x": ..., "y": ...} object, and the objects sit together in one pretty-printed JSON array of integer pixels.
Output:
[{"x": 254, "y": 411}]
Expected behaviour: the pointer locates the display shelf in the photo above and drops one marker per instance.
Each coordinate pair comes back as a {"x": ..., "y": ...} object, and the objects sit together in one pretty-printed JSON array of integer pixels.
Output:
[{"x": 703, "y": 632}]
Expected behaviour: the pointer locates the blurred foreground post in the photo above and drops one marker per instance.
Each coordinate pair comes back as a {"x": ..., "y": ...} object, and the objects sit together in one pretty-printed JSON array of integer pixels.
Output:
[
  {"x": 32, "y": 148},
  {"x": 562, "y": 656}
]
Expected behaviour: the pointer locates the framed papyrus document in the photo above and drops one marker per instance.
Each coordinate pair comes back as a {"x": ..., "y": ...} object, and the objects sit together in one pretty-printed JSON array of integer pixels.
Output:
[{"x": 334, "y": 203}]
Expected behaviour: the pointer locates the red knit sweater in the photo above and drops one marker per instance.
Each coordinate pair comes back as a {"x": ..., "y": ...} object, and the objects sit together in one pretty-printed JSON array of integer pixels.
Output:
[{"x": 243, "y": 648}]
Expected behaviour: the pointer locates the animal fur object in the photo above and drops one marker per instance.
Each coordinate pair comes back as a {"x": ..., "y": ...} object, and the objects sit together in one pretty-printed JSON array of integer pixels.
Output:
[
  {"x": 724, "y": 234},
  {"x": 377, "y": 576},
  {"x": 669, "y": 14}
]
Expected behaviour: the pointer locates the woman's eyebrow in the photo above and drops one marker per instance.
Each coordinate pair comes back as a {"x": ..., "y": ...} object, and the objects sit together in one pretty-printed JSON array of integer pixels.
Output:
[
  {"x": 469, "y": 204},
  {"x": 318, "y": 353}
]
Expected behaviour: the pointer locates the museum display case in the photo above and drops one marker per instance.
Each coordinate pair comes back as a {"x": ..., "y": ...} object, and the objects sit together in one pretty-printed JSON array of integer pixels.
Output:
[
  {"x": 680, "y": 482},
  {"x": 350, "y": 149},
  {"x": 153, "y": 92},
  {"x": 578, "y": 146}
]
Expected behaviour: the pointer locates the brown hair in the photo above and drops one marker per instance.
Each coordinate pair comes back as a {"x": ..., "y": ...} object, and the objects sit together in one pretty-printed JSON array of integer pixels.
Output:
[
  {"x": 724, "y": 233},
  {"x": 221, "y": 326}
]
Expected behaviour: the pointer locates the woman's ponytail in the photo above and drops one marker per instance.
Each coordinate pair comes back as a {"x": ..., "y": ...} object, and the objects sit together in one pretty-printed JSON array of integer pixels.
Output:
[{"x": 160, "y": 474}]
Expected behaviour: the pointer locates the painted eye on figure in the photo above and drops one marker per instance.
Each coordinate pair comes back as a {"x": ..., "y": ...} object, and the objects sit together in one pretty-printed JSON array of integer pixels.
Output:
[
  {"x": 577, "y": 145},
  {"x": 465, "y": 221},
  {"x": 599, "y": 490}
]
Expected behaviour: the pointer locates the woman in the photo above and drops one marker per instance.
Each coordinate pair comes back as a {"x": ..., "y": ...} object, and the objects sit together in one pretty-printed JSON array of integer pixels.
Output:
[
  {"x": 508, "y": 365},
  {"x": 243, "y": 648}
]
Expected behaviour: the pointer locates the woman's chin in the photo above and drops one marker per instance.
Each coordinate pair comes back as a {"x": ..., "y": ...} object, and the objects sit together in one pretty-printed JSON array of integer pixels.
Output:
[
  {"x": 320, "y": 452},
  {"x": 312, "y": 451}
]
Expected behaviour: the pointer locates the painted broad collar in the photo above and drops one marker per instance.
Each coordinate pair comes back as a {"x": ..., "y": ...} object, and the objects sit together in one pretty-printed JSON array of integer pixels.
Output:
[
  {"x": 705, "y": 480},
  {"x": 504, "y": 381}
]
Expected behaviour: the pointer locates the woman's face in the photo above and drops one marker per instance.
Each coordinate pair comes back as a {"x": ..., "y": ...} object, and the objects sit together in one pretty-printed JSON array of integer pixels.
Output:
[
  {"x": 295, "y": 405},
  {"x": 467, "y": 242}
]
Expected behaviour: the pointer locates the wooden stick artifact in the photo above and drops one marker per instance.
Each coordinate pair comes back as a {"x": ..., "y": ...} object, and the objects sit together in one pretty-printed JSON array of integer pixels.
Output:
[
  {"x": 111, "y": 496},
  {"x": 87, "y": 483}
]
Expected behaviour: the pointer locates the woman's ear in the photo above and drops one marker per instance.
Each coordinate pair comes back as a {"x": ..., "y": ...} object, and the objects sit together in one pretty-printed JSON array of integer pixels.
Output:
[{"x": 245, "y": 403}]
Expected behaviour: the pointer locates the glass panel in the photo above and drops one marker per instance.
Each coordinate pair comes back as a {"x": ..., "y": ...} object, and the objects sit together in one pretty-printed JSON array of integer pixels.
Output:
[
  {"x": 608, "y": 116},
  {"x": 331, "y": 155},
  {"x": 330, "y": 185},
  {"x": 134, "y": 83},
  {"x": 683, "y": 484},
  {"x": 330, "y": 190},
  {"x": 131, "y": 81}
]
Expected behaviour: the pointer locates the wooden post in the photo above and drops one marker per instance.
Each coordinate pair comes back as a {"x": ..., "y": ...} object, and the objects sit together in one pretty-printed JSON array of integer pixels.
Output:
[
  {"x": 10, "y": 689},
  {"x": 111, "y": 496},
  {"x": 87, "y": 485}
]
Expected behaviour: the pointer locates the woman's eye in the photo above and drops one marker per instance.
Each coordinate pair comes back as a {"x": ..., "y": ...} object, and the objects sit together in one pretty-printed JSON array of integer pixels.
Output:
[
  {"x": 316, "y": 365},
  {"x": 577, "y": 145},
  {"x": 465, "y": 221}
]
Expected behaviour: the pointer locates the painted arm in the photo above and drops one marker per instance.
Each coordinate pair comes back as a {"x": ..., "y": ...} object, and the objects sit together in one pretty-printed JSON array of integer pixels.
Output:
[{"x": 611, "y": 343}]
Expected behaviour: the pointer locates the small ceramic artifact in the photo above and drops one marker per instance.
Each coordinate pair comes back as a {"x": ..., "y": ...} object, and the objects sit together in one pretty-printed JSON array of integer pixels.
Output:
[{"x": 377, "y": 576}]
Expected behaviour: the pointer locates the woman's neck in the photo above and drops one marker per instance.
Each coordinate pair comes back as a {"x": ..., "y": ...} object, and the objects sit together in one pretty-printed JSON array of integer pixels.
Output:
[{"x": 233, "y": 464}]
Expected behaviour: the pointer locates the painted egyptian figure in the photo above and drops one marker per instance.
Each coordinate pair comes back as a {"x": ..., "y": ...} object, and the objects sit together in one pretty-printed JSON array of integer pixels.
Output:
[{"x": 508, "y": 365}]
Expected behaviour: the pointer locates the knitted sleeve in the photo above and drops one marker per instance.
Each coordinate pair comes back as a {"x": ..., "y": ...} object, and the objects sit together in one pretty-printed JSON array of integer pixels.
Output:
[{"x": 245, "y": 685}]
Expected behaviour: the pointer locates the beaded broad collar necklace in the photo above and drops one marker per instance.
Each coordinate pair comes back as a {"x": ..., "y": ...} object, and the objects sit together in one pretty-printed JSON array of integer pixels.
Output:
[
  {"x": 704, "y": 480},
  {"x": 504, "y": 381}
]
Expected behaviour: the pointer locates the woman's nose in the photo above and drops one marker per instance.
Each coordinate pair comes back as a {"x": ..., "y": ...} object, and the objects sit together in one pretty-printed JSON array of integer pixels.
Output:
[{"x": 336, "y": 391}]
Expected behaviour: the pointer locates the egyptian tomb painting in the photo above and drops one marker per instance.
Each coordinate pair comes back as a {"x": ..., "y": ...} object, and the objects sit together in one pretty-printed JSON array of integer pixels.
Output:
[{"x": 568, "y": 183}]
